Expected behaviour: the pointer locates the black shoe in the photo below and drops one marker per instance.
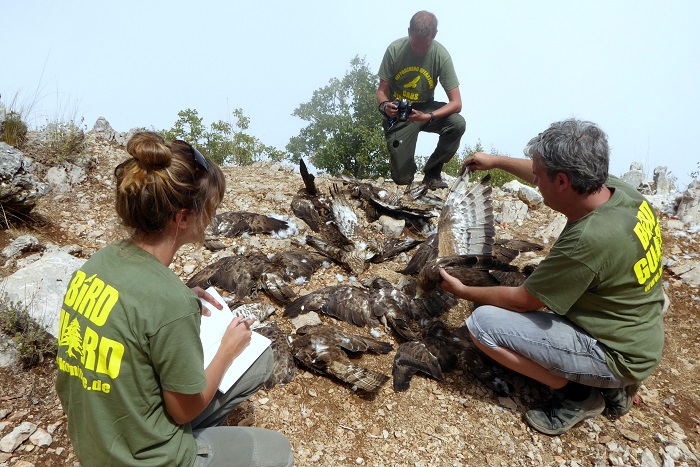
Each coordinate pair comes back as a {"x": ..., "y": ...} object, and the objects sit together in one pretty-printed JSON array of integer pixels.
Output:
[
  {"x": 434, "y": 183},
  {"x": 619, "y": 401},
  {"x": 559, "y": 415}
]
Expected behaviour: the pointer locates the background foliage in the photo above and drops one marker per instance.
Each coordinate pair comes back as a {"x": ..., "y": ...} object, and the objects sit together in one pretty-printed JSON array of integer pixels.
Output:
[
  {"x": 223, "y": 142},
  {"x": 345, "y": 132}
]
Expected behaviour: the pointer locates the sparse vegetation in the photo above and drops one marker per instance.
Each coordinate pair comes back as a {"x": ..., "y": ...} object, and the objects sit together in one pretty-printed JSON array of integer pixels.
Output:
[
  {"x": 13, "y": 130},
  {"x": 58, "y": 140},
  {"x": 63, "y": 141},
  {"x": 34, "y": 344},
  {"x": 222, "y": 143},
  {"x": 13, "y": 127},
  {"x": 695, "y": 174},
  {"x": 498, "y": 177}
]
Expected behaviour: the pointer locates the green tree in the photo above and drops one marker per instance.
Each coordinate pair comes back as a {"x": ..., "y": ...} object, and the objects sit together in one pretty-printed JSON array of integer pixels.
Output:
[
  {"x": 223, "y": 142},
  {"x": 345, "y": 133}
]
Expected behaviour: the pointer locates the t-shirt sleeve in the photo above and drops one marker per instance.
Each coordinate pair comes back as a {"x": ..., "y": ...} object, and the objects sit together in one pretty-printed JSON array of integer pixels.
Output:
[
  {"x": 386, "y": 67},
  {"x": 177, "y": 356},
  {"x": 559, "y": 281},
  {"x": 448, "y": 76}
]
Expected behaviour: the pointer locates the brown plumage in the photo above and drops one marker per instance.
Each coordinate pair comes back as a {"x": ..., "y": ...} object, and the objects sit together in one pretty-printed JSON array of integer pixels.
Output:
[
  {"x": 342, "y": 238},
  {"x": 393, "y": 304},
  {"x": 235, "y": 223},
  {"x": 344, "y": 302},
  {"x": 416, "y": 207},
  {"x": 381, "y": 304},
  {"x": 393, "y": 247},
  {"x": 283, "y": 368},
  {"x": 339, "y": 235},
  {"x": 322, "y": 349},
  {"x": 245, "y": 275},
  {"x": 435, "y": 353},
  {"x": 442, "y": 349},
  {"x": 308, "y": 204},
  {"x": 411, "y": 358},
  {"x": 238, "y": 274}
]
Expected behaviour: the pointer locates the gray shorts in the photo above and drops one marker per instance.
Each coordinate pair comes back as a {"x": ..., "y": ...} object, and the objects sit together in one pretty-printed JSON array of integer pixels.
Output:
[
  {"x": 548, "y": 339},
  {"x": 239, "y": 446}
]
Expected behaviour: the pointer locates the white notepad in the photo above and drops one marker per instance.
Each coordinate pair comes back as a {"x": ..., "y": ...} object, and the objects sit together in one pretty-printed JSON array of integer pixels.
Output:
[{"x": 211, "y": 332}]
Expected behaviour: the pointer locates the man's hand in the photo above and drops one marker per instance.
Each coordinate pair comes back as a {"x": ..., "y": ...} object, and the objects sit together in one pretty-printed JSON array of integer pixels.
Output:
[
  {"x": 479, "y": 161},
  {"x": 391, "y": 110},
  {"x": 418, "y": 116},
  {"x": 451, "y": 284}
]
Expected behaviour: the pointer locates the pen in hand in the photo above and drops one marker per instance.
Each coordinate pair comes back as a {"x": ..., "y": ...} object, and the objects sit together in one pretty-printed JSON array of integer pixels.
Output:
[{"x": 247, "y": 322}]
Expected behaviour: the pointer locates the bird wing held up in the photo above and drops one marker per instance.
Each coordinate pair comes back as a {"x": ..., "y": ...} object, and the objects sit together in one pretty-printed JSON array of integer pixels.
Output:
[{"x": 466, "y": 221}]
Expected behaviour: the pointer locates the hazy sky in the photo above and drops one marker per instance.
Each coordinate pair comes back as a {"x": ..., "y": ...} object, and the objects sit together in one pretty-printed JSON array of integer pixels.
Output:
[{"x": 631, "y": 66}]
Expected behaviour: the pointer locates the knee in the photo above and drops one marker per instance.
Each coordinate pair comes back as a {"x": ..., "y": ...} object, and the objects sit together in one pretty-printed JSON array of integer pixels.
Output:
[{"x": 459, "y": 124}]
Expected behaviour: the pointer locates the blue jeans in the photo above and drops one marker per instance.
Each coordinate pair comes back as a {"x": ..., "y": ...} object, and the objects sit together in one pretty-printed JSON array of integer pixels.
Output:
[
  {"x": 548, "y": 339},
  {"x": 234, "y": 445}
]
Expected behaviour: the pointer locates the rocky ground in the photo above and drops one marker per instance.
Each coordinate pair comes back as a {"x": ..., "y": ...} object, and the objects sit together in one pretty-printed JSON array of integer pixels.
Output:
[{"x": 457, "y": 421}]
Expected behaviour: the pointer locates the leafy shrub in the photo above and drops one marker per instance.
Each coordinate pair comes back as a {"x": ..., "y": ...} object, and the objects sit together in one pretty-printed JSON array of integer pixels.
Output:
[
  {"x": 224, "y": 142},
  {"x": 34, "y": 344}
]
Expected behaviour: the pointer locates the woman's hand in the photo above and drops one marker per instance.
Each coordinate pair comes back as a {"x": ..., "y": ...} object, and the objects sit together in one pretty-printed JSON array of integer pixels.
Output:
[
  {"x": 204, "y": 295},
  {"x": 236, "y": 337}
]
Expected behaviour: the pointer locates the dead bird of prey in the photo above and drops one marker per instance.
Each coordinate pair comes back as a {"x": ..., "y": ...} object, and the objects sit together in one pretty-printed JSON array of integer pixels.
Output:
[
  {"x": 323, "y": 349},
  {"x": 283, "y": 368},
  {"x": 342, "y": 238},
  {"x": 236, "y": 223},
  {"x": 245, "y": 275},
  {"x": 380, "y": 305}
]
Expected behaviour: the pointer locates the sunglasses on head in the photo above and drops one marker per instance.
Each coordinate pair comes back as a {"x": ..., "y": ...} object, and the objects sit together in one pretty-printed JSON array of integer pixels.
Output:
[{"x": 200, "y": 162}]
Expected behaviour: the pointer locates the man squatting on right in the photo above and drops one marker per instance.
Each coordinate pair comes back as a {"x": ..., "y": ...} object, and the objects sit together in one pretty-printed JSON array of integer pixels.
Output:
[{"x": 602, "y": 333}]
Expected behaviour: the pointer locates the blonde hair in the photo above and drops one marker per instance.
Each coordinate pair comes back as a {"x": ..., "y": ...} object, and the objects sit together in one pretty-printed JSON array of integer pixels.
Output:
[{"x": 162, "y": 178}]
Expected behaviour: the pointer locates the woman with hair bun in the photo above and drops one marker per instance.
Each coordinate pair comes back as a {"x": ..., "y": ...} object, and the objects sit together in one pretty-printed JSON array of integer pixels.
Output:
[{"x": 130, "y": 363}]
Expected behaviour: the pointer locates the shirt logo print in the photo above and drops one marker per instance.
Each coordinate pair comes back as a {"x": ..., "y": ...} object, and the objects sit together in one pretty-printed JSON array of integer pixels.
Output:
[{"x": 413, "y": 84}]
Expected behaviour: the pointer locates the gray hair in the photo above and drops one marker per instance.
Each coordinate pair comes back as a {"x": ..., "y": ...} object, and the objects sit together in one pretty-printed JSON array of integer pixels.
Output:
[
  {"x": 423, "y": 25},
  {"x": 574, "y": 147}
]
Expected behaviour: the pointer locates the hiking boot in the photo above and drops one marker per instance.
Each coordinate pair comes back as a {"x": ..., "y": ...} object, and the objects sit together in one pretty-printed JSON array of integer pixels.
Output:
[
  {"x": 559, "y": 415},
  {"x": 619, "y": 401},
  {"x": 434, "y": 183}
]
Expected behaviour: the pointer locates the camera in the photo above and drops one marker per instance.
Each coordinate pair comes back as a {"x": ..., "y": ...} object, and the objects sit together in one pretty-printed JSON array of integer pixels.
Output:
[{"x": 404, "y": 111}]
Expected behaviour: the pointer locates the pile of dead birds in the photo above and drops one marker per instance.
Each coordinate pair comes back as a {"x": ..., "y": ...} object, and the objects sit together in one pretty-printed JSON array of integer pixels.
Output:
[{"x": 456, "y": 233}]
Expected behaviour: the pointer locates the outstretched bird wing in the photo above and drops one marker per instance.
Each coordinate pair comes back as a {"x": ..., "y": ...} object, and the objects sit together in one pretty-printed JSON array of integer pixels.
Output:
[{"x": 466, "y": 221}]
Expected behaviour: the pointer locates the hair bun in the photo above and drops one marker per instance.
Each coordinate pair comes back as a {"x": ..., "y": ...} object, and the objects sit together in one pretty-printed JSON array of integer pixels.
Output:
[{"x": 150, "y": 150}]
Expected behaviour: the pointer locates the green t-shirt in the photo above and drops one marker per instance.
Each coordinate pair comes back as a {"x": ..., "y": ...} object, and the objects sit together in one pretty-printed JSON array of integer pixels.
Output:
[
  {"x": 129, "y": 329},
  {"x": 414, "y": 78},
  {"x": 604, "y": 274}
]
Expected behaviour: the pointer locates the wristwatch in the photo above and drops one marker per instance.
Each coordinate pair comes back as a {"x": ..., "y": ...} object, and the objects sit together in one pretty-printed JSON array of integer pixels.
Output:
[
  {"x": 382, "y": 107},
  {"x": 432, "y": 117}
]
